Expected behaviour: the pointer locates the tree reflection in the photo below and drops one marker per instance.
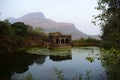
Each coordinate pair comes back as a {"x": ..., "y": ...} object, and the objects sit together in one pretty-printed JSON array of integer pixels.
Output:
[
  {"x": 40, "y": 60},
  {"x": 60, "y": 58},
  {"x": 17, "y": 63}
]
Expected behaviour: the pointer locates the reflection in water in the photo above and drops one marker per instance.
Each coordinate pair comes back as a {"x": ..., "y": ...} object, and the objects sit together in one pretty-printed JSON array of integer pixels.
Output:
[
  {"x": 40, "y": 60},
  {"x": 16, "y": 63},
  {"x": 23, "y": 66},
  {"x": 60, "y": 58}
]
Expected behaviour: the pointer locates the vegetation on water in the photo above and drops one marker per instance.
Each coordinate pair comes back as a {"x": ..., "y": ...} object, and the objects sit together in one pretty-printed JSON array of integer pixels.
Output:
[
  {"x": 90, "y": 59},
  {"x": 44, "y": 51}
]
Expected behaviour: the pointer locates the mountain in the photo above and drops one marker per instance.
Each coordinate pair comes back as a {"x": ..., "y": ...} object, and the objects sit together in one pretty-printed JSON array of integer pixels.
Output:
[{"x": 37, "y": 19}]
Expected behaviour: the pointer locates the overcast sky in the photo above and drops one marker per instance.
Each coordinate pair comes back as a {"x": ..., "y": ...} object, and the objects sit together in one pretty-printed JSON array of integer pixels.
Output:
[{"x": 79, "y": 12}]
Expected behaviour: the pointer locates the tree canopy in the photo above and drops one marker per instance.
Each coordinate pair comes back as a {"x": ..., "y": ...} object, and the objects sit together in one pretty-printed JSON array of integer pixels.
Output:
[
  {"x": 5, "y": 28},
  {"x": 109, "y": 19},
  {"x": 20, "y": 29}
]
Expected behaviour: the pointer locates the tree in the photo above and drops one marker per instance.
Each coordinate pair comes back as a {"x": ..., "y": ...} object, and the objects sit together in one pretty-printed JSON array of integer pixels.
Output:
[
  {"x": 29, "y": 28},
  {"x": 5, "y": 27},
  {"x": 39, "y": 30},
  {"x": 20, "y": 29},
  {"x": 109, "y": 19}
]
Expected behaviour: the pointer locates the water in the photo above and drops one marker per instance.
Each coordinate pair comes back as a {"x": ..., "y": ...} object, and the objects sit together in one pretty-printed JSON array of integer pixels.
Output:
[{"x": 82, "y": 64}]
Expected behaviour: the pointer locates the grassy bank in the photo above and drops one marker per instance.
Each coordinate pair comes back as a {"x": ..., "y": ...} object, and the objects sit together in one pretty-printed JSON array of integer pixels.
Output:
[{"x": 86, "y": 42}]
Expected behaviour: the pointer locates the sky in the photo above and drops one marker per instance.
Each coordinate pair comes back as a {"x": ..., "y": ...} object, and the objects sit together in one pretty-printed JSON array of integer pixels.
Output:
[{"x": 79, "y": 12}]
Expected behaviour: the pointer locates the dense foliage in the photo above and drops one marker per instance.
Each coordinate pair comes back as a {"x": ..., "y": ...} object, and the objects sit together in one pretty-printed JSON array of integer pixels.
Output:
[
  {"x": 5, "y": 28},
  {"x": 19, "y": 29},
  {"x": 86, "y": 42},
  {"x": 16, "y": 35},
  {"x": 110, "y": 22},
  {"x": 111, "y": 61}
]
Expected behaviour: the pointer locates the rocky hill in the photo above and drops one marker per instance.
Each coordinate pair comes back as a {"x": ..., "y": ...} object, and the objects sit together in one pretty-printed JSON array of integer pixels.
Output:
[{"x": 37, "y": 19}]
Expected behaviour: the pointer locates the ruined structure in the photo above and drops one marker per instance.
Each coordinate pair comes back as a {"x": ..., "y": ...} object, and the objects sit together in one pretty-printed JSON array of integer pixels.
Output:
[{"x": 59, "y": 40}]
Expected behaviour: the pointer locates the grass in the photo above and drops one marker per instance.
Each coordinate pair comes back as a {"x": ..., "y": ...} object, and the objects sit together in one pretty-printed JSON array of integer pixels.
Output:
[{"x": 44, "y": 51}]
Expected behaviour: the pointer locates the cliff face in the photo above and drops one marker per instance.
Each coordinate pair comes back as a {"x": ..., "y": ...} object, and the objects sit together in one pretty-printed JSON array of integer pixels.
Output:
[{"x": 37, "y": 19}]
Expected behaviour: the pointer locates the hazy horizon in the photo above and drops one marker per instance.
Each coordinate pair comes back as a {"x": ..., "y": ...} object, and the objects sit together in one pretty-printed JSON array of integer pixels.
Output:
[{"x": 77, "y": 12}]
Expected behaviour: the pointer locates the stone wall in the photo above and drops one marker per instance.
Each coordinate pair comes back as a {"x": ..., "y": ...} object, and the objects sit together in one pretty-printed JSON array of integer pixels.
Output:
[{"x": 59, "y": 40}]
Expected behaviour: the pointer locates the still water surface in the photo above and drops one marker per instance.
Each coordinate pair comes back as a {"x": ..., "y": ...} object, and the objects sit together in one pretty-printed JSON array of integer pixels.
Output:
[{"x": 80, "y": 63}]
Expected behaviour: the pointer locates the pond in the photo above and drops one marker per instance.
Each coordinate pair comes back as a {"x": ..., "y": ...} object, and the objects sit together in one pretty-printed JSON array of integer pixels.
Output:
[{"x": 78, "y": 64}]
